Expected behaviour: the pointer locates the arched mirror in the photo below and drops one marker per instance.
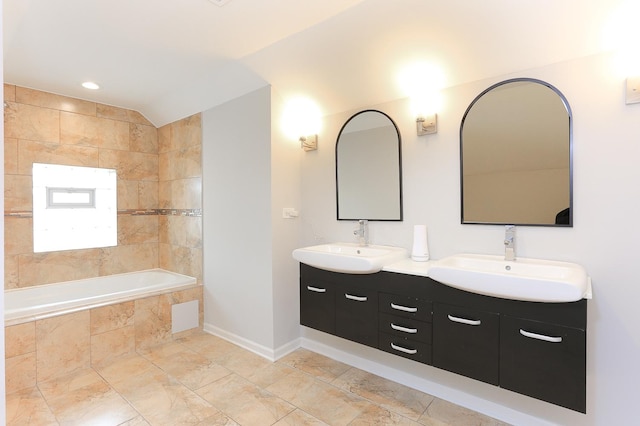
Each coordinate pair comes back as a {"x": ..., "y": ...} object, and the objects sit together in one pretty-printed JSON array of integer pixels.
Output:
[
  {"x": 368, "y": 168},
  {"x": 515, "y": 154}
]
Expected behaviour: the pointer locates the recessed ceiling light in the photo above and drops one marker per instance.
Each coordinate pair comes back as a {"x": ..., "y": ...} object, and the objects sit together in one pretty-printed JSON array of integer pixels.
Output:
[
  {"x": 90, "y": 85},
  {"x": 219, "y": 2}
]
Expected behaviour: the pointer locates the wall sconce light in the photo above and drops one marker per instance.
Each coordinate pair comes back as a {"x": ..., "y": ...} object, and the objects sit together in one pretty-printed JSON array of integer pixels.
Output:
[
  {"x": 309, "y": 143},
  {"x": 427, "y": 125},
  {"x": 301, "y": 121},
  {"x": 422, "y": 82},
  {"x": 424, "y": 107}
]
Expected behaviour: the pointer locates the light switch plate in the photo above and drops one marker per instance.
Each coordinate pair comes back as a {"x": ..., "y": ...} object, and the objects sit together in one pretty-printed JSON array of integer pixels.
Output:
[
  {"x": 633, "y": 90},
  {"x": 289, "y": 213}
]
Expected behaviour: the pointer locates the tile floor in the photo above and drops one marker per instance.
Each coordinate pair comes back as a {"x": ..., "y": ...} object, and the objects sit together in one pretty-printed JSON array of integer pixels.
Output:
[{"x": 204, "y": 380}]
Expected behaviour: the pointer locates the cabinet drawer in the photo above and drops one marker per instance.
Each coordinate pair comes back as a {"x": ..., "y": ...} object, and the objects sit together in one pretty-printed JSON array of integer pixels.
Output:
[
  {"x": 407, "y": 328},
  {"x": 407, "y": 348},
  {"x": 544, "y": 361},
  {"x": 406, "y": 306},
  {"x": 466, "y": 341},
  {"x": 317, "y": 306}
]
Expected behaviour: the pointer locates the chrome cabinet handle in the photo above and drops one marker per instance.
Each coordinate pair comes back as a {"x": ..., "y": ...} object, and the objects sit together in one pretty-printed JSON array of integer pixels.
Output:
[
  {"x": 540, "y": 336},
  {"x": 464, "y": 320},
  {"x": 404, "y": 329},
  {"x": 405, "y": 350},
  {"x": 403, "y": 308},
  {"x": 317, "y": 289},
  {"x": 356, "y": 298}
]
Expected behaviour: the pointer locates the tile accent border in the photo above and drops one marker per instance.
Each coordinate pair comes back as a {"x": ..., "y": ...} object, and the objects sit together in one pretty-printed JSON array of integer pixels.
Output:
[{"x": 26, "y": 214}]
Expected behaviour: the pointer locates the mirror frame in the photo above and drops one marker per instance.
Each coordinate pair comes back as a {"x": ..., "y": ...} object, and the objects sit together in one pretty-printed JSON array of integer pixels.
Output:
[
  {"x": 570, "y": 117},
  {"x": 400, "y": 199}
]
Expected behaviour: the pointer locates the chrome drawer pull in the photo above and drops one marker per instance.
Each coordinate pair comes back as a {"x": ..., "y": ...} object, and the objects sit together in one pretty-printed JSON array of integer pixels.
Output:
[
  {"x": 464, "y": 320},
  {"x": 540, "y": 336},
  {"x": 404, "y": 329},
  {"x": 317, "y": 289},
  {"x": 405, "y": 350},
  {"x": 356, "y": 298},
  {"x": 403, "y": 308}
]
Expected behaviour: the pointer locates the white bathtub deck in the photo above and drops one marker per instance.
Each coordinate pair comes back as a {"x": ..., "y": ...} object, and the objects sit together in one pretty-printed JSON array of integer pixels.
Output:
[{"x": 44, "y": 301}]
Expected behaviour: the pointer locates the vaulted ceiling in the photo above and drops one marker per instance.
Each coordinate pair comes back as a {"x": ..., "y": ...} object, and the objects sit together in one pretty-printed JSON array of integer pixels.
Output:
[{"x": 172, "y": 58}]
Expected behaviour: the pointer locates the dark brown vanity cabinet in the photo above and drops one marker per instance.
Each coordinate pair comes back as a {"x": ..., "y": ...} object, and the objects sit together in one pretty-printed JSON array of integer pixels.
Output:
[
  {"x": 467, "y": 341},
  {"x": 545, "y": 361},
  {"x": 535, "y": 349},
  {"x": 357, "y": 313},
  {"x": 405, "y": 326},
  {"x": 339, "y": 304},
  {"x": 317, "y": 301}
]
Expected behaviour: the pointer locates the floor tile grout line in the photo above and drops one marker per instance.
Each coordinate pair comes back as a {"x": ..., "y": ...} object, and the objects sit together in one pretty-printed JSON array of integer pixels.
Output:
[
  {"x": 47, "y": 402},
  {"x": 169, "y": 375},
  {"x": 133, "y": 407},
  {"x": 357, "y": 395},
  {"x": 195, "y": 391},
  {"x": 52, "y": 411},
  {"x": 326, "y": 375},
  {"x": 331, "y": 383},
  {"x": 254, "y": 384},
  {"x": 374, "y": 402},
  {"x": 296, "y": 407}
]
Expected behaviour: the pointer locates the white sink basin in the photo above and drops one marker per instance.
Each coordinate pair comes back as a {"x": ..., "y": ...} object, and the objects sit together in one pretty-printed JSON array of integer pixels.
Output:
[
  {"x": 522, "y": 279},
  {"x": 349, "y": 258}
]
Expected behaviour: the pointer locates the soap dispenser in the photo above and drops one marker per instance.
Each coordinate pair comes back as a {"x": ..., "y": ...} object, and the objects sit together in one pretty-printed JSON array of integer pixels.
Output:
[{"x": 420, "y": 251}]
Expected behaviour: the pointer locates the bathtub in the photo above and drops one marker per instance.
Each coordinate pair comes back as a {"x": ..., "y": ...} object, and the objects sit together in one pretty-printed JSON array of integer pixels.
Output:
[{"x": 44, "y": 301}]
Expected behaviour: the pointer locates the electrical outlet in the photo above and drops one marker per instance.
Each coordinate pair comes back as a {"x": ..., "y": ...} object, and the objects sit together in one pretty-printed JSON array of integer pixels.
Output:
[{"x": 633, "y": 90}]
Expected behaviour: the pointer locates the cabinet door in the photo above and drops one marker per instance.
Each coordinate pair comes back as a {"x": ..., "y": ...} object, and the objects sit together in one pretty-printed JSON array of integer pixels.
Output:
[
  {"x": 544, "y": 361},
  {"x": 317, "y": 305},
  {"x": 357, "y": 313},
  {"x": 466, "y": 341}
]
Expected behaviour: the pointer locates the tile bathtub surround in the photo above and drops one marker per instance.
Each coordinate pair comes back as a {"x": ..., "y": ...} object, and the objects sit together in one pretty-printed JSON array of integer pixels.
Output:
[
  {"x": 180, "y": 196},
  {"x": 43, "y": 350},
  {"x": 202, "y": 379},
  {"x": 157, "y": 169}
]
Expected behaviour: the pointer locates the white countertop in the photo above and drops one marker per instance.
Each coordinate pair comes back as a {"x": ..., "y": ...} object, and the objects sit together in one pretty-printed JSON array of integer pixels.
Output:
[{"x": 409, "y": 267}]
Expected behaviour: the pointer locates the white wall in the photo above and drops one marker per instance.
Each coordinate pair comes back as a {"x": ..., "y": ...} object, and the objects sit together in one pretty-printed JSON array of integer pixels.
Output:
[
  {"x": 605, "y": 237},
  {"x": 285, "y": 192},
  {"x": 236, "y": 152},
  {"x": 251, "y": 171}
]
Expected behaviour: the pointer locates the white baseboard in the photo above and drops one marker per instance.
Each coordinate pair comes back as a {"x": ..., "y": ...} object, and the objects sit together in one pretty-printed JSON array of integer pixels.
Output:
[
  {"x": 287, "y": 348},
  {"x": 264, "y": 351}
]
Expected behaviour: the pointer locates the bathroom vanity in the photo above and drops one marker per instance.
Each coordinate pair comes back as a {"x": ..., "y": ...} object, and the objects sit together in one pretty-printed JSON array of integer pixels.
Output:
[{"x": 533, "y": 348}]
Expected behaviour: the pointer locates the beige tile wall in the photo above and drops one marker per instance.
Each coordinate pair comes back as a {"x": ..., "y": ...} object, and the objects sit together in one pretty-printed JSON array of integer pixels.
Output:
[
  {"x": 41, "y": 350},
  {"x": 157, "y": 168},
  {"x": 180, "y": 187}
]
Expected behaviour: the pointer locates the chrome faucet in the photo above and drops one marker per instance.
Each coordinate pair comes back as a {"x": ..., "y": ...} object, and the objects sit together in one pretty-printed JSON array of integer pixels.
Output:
[
  {"x": 362, "y": 232},
  {"x": 510, "y": 242}
]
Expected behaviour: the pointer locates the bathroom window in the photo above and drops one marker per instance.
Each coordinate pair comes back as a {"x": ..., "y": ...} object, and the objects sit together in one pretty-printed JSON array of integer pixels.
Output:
[
  {"x": 67, "y": 198},
  {"x": 73, "y": 207}
]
